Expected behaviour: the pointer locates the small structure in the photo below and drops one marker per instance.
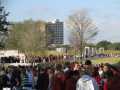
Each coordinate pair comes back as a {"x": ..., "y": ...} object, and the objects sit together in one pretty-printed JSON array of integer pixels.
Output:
[
  {"x": 61, "y": 50},
  {"x": 8, "y": 53},
  {"x": 101, "y": 50},
  {"x": 89, "y": 52},
  {"x": 93, "y": 51}
]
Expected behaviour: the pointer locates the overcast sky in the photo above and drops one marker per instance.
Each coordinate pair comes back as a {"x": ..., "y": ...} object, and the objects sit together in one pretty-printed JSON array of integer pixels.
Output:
[{"x": 105, "y": 13}]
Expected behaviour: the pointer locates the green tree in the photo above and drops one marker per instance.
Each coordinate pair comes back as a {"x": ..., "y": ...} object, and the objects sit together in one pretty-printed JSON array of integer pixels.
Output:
[
  {"x": 27, "y": 36},
  {"x": 105, "y": 44},
  {"x": 3, "y": 25},
  {"x": 115, "y": 46}
]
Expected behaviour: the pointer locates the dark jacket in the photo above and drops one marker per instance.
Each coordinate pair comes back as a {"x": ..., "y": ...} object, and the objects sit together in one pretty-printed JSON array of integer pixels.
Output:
[{"x": 43, "y": 81}]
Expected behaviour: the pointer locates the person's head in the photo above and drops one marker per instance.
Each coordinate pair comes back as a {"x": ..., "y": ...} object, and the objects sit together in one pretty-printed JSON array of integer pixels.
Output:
[
  {"x": 88, "y": 64},
  {"x": 107, "y": 71},
  {"x": 88, "y": 67},
  {"x": 59, "y": 67},
  {"x": 101, "y": 68},
  {"x": 49, "y": 70},
  {"x": 24, "y": 71},
  {"x": 76, "y": 66},
  {"x": 95, "y": 72},
  {"x": 76, "y": 74},
  {"x": 106, "y": 67}
]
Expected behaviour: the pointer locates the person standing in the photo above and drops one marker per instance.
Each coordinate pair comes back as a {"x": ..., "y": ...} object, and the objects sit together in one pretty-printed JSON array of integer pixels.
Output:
[
  {"x": 26, "y": 80},
  {"x": 86, "y": 81},
  {"x": 43, "y": 80}
]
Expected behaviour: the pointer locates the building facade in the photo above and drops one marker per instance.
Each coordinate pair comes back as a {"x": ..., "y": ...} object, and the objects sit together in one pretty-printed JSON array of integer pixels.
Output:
[{"x": 54, "y": 32}]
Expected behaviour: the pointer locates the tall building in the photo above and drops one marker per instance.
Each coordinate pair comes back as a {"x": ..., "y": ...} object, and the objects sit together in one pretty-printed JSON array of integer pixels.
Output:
[{"x": 54, "y": 32}]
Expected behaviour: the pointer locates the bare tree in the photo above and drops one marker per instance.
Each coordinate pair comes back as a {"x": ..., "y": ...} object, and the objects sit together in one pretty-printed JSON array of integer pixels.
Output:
[{"x": 83, "y": 29}]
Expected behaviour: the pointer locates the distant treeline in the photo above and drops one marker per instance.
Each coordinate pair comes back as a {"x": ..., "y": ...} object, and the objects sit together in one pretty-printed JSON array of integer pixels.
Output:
[{"x": 107, "y": 45}]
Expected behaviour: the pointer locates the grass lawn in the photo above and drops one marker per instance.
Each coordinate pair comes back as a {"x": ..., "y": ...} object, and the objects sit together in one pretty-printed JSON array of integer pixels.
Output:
[
  {"x": 106, "y": 60},
  {"x": 46, "y": 53},
  {"x": 112, "y": 51}
]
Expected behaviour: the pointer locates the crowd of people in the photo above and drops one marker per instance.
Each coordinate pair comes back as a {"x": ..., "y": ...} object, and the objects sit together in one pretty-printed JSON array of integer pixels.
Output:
[
  {"x": 67, "y": 76},
  {"x": 50, "y": 58},
  {"x": 36, "y": 59},
  {"x": 10, "y": 59},
  {"x": 107, "y": 55}
]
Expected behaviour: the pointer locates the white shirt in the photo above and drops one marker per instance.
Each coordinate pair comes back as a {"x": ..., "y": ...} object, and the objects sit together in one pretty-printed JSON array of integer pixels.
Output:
[{"x": 86, "y": 82}]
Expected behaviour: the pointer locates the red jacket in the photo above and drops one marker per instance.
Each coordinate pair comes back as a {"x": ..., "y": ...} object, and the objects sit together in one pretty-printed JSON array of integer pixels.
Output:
[
  {"x": 58, "y": 82},
  {"x": 98, "y": 80},
  {"x": 70, "y": 84},
  {"x": 105, "y": 86}
]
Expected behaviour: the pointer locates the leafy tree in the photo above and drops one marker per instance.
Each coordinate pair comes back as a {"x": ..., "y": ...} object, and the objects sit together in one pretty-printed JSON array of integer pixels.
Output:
[
  {"x": 105, "y": 44},
  {"x": 115, "y": 46},
  {"x": 27, "y": 36},
  {"x": 3, "y": 26}
]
